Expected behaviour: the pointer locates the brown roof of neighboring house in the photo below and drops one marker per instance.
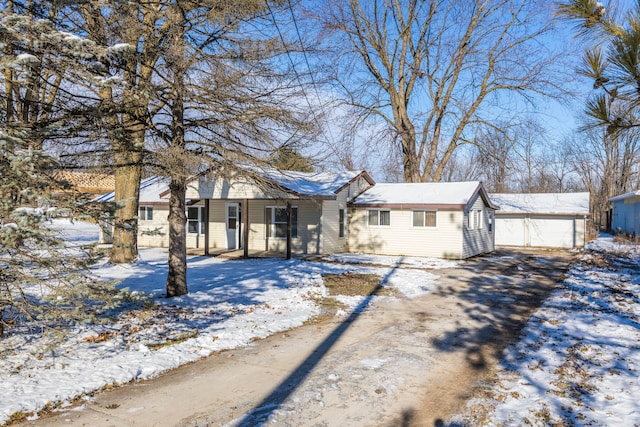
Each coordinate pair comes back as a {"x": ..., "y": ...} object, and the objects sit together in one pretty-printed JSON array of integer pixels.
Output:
[{"x": 87, "y": 182}]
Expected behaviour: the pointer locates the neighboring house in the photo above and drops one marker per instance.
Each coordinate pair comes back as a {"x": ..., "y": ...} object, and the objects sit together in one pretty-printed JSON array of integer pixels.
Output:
[
  {"x": 544, "y": 220},
  {"x": 153, "y": 213},
  {"x": 446, "y": 220},
  {"x": 226, "y": 213},
  {"x": 626, "y": 213}
]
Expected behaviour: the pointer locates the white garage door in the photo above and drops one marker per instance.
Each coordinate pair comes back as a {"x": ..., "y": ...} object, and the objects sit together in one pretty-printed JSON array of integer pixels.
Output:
[
  {"x": 510, "y": 231},
  {"x": 552, "y": 232}
]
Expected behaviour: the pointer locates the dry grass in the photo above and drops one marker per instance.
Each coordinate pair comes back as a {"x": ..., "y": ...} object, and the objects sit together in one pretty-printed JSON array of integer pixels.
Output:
[
  {"x": 355, "y": 284},
  {"x": 347, "y": 284}
]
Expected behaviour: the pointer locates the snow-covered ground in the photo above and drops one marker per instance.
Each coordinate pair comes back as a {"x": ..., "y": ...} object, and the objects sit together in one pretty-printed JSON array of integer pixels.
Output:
[
  {"x": 579, "y": 358},
  {"x": 576, "y": 364},
  {"x": 230, "y": 303}
]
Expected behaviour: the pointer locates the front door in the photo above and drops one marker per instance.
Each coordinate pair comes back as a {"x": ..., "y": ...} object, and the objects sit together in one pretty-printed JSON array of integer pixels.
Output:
[{"x": 233, "y": 225}]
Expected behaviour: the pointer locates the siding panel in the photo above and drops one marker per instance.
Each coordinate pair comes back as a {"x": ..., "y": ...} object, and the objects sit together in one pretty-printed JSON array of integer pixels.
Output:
[
  {"x": 626, "y": 216},
  {"x": 401, "y": 238},
  {"x": 155, "y": 233},
  {"x": 478, "y": 241}
]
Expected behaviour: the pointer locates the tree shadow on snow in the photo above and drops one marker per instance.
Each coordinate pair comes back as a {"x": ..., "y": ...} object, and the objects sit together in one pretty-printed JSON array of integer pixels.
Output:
[
  {"x": 270, "y": 404},
  {"x": 498, "y": 294}
]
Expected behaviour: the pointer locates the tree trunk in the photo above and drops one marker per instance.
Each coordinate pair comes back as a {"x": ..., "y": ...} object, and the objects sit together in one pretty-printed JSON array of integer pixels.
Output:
[
  {"x": 125, "y": 234},
  {"x": 177, "y": 277}
]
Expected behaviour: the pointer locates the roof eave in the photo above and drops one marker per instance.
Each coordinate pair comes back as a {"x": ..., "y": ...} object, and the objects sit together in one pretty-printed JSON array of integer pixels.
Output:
[{"x": 409, "y": 205}]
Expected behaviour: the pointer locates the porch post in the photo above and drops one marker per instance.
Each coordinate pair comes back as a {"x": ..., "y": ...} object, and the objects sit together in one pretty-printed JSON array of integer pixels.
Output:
[
  {"x": 206, "y": 227},
  {"x": 288, "y": 230},
  {"x": 245, "y": 228}
]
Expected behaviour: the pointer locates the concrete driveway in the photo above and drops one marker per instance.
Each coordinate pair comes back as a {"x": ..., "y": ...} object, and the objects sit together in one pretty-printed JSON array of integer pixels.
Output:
[{"x": 403, "y": 362}]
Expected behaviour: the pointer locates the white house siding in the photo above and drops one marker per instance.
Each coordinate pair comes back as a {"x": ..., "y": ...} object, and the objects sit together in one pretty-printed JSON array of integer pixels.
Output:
[
  {"x": 331, "y": 240},
  {"x": 626, "y": 216},
  {"x": 402, "y": 238},
  {"x": 478, "y": 240},
  {"x": 217, "y": 224},
  {"x": 155, "y": 233}
]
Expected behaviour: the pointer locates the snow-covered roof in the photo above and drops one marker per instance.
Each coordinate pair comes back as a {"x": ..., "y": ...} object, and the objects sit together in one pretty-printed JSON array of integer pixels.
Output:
[
  {"x": 625, "y": 196},
  {"x": 428, "y": 193},
  {"x": 542, "y": 203},
  {"x": 154, "y": 190},
  {"x": 150, "y": 190},
  {"x": 311, "y": 183}
]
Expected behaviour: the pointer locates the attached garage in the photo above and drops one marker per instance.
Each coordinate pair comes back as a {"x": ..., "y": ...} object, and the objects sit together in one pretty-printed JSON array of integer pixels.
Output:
[{"x": 541, "y": 220}]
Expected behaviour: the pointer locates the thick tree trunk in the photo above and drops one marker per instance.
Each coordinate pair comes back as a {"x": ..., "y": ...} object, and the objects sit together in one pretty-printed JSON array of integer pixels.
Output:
[
  {"x": 128, "y": 174},
  {"x": 177, "y": 277}
]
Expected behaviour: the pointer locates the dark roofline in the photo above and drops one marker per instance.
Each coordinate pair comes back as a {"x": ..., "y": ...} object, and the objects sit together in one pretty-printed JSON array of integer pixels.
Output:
[
  {"x": 485, "y": 197},
  {"x": 154, "y": 203}
]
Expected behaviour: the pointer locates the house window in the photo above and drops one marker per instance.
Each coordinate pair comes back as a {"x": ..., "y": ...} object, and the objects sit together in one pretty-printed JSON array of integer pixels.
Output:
[
  {"x": 379, "y": 217},
  {"x": 145, "y": 213},
  {"x": 475, "y": 219},
  {"x": 342, "y": 223},
  {"x": 490, "y": 221},
  {"x": 195, "y": 219},
  {"x": 276, "y": 220},
  {"x": 424, "y": 218}
]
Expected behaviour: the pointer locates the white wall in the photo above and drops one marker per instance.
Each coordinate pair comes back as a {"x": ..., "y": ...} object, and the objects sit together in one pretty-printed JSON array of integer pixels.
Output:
[
  {"x": 402, "y": 238},
  {"x": 155, "y": 233}
]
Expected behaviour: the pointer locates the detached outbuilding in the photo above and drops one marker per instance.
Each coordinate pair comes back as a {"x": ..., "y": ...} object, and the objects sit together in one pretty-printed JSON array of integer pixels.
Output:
[
  {"x": 445, "y": 220},
  {"x": 541, "y": 220},
  {"x": 626, "y": 213}
]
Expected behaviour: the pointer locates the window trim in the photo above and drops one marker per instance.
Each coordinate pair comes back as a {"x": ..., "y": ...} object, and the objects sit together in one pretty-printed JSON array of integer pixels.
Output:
[
  {"x": 475, "y": 219},
  {"x": 148, "y": 213},
  {"x": 378, "y": 217},
  {"x": 491, "y": 219},
  {"x": 200, "y": 221},
  {"x": 424, "y": 219},
  {"x": 270, "y": 223}
]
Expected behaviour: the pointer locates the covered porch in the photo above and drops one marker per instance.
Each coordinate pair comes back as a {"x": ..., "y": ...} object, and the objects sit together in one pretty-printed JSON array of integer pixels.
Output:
[
  {"x": 235, "y": 253},
  {"x": 242, "y": 228}
]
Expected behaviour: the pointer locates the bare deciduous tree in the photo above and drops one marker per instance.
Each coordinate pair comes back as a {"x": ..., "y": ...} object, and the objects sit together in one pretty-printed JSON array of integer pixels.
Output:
[
  {"x": 429, "y": 69},
  {"x": 607, "y": 164}
]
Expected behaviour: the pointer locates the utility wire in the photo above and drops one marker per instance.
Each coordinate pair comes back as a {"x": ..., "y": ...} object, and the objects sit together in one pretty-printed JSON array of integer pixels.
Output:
[{"x": 331, "y": 140}]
